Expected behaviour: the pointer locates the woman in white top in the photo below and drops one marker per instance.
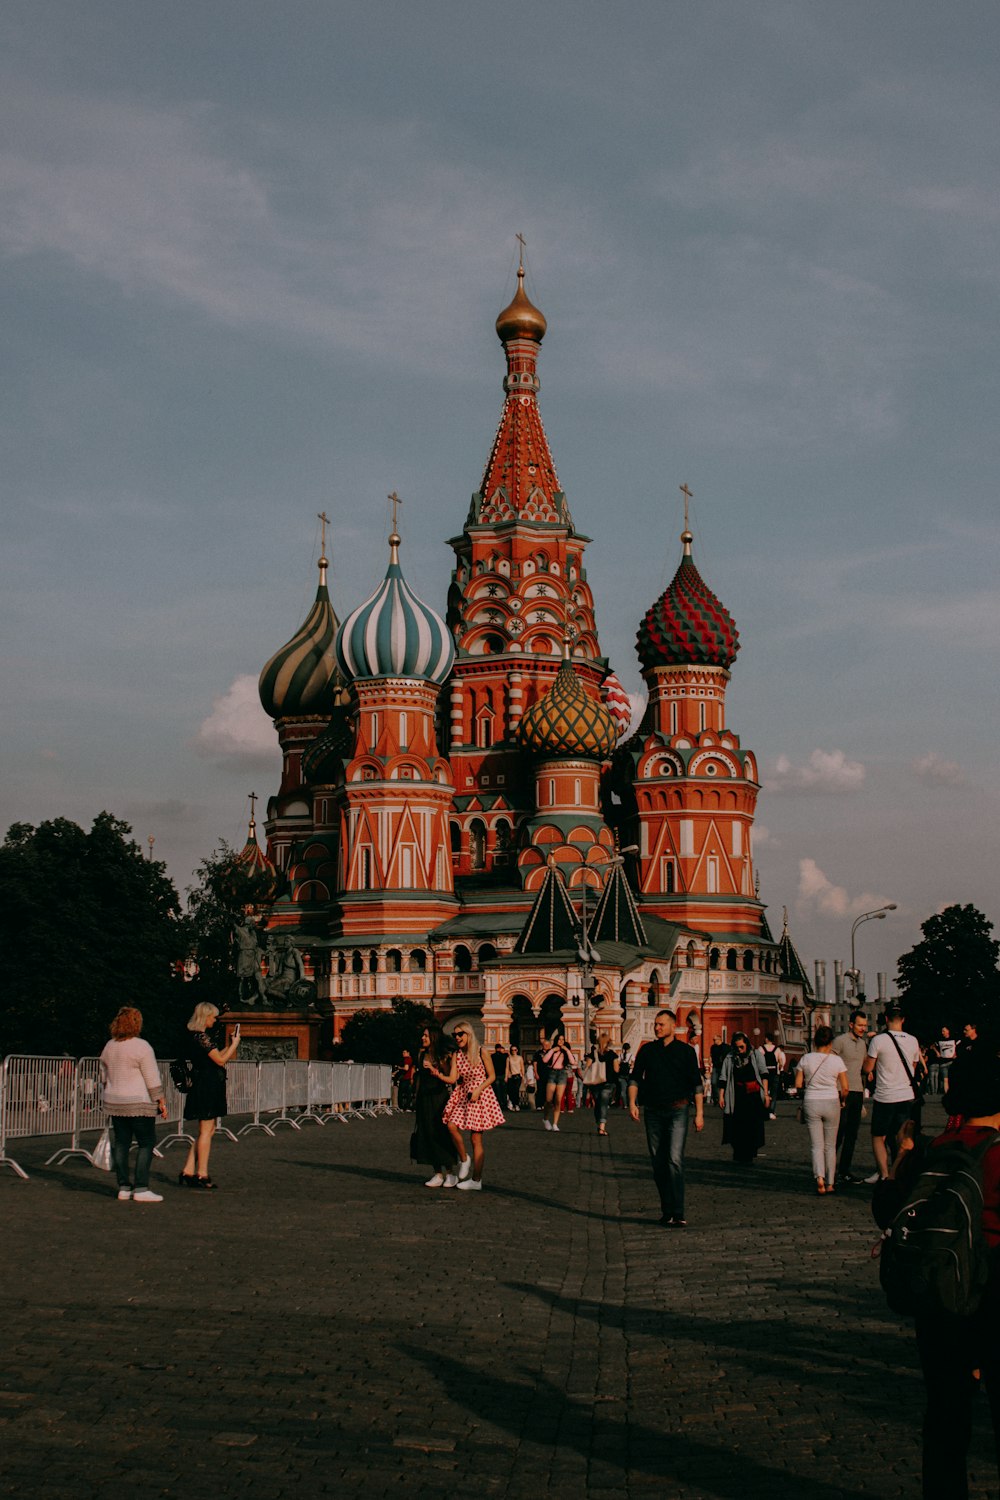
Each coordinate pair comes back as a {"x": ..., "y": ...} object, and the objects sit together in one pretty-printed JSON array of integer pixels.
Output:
[
  {"x": 133, "y": 1097},
  {"x": 820, "y": 1074}
]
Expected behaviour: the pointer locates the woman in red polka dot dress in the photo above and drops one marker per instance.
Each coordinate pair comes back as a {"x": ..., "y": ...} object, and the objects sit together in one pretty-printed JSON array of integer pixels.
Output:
[{"x": 473, "y": 1104}]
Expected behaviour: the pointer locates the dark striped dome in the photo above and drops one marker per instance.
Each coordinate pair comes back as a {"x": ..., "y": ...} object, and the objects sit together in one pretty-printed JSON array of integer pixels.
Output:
[
  {"x": 568, "y": 721},
  {"x": 302, "y": 679}
]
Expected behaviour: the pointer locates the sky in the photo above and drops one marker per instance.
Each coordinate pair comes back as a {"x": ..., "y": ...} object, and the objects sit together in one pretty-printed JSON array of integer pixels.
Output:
[{"x": 250, "y": 263}]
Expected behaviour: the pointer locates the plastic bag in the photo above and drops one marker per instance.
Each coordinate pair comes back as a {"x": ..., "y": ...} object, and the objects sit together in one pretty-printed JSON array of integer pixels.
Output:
[{"x": 102, "y": 1151}]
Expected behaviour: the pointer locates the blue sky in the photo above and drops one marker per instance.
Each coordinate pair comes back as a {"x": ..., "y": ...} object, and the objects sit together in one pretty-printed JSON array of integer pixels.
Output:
[{"x": 251, "y": 260}]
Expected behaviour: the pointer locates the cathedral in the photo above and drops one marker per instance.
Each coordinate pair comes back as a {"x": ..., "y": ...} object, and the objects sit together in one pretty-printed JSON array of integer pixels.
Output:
[{"x": 466, "y": 817}]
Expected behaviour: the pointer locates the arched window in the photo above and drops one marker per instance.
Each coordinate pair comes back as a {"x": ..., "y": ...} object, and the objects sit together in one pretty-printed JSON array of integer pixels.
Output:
[
  {"x": 690, "y": 955},
  {"x": 502, "y": 834},
  {"x": 418, "y": 961},
  {"x": 394, "y": 961},
  {"x": 747, "y": 959},
  {"x": 373, "y": 962},
  {"x": 731, "y": 959},
  {"x": 462, "y": 960},
  {"x": 653, "y": 993},
  {"x": 485, "y": 954},
  {"x": 477, "y": 844},
  {"x": 713, "y": 958},
  {"x": 357, "y": 963},
  {"x": 456, "y": 838},
  {"x": 341, "y": 963}
]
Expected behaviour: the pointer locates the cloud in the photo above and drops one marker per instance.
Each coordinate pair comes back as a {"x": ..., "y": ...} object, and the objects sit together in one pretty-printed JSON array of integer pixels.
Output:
[
  {"x": 763, "y": 837},
  {"x": 826, "y": 771},
  {"x": 936, "y": 771},
  {"x": 819, "y": 892},
  {"x": 171, "y": 810},
  {"x": 238, "y": 732}
]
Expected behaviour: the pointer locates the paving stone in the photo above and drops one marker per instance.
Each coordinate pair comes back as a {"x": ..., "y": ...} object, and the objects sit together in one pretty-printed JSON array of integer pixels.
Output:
[{"x": 365, "y": 1338}]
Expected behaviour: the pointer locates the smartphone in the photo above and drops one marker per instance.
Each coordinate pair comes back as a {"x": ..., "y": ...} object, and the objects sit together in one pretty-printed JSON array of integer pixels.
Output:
[
  {"x": 236, "y": 1030},
  {"x": 468, "y": 1098}
]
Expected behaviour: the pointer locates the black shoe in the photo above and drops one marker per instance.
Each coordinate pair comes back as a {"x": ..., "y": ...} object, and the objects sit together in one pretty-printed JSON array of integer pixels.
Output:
[
  {"x": 676, "y": 1223},
  {"x": 185, "y": 1179},
  {"x": 849, "y": 1177},
  {"x": 665, "y": 1221},
  {"x": 205, "y": 1183}
]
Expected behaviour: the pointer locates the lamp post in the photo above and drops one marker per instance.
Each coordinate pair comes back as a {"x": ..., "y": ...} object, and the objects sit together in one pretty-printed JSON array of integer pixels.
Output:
[
  {"x": 878, "y": 915},
  {"x": 587, "y": 953}
]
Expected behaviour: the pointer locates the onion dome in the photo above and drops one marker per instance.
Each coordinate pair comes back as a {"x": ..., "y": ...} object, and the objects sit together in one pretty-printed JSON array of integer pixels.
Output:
[
  {"x": 394, "y": 634},
  {"x": 687, "y": 626},
  {"x": 323, "y": 761},
  {"x": 617, "y": 702},
  {"x": 253, "y": 862},
  {"x": 521, "y": 318},
  {"x": 301, "y": 679},
  {"x": 568, "y": 721}
]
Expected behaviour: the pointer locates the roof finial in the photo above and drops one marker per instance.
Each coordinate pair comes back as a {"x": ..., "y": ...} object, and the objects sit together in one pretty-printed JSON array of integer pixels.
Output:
[
  {"x": 252, "y": 831},
  {"x": 522, "y": 242},
  {"x": 324, "y": 561},
  {"x": 686, "y": 536},
  {"x": 394, "y": 537}
]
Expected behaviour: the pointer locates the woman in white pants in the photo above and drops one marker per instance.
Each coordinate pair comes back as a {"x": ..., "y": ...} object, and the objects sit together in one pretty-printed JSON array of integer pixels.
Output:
[{"x": 821, "y": 1077}]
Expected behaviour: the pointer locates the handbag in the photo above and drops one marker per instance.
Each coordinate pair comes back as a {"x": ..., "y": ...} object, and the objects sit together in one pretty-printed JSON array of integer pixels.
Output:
[
  {"x": 595, "y": 1074},
  {"x": 101, "y": 1156}
]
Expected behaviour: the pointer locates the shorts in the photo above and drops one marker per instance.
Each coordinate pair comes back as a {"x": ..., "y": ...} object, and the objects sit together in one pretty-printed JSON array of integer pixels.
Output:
[
  {"x": 888, "y": 1119},
  {"x": 558, "y": 1075}
]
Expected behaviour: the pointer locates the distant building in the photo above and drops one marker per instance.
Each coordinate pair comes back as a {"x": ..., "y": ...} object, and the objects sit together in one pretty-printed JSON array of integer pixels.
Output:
[{"x": 455, "y": 789}]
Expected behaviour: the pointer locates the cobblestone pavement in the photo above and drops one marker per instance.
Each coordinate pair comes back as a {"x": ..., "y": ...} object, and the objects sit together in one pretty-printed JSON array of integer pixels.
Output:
[{"x": 325, "y": 1325}]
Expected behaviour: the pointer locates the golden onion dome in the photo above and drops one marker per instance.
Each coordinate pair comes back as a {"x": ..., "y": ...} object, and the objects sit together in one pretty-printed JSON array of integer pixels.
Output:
[
  {"x": 521, "y": 318},
  {"x": 567, "y": 721}
]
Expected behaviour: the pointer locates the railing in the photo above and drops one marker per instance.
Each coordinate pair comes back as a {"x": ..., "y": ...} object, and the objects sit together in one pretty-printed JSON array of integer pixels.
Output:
[{"x": 41, "y": 1096}]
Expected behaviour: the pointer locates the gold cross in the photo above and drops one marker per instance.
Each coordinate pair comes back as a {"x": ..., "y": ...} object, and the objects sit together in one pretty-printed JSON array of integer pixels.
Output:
[
  {"x": 324, "y": 519},
  {"x": 395, "y": 502},
  {"x": 523, "y": 244},
  {"x": 687, "y": 497}
]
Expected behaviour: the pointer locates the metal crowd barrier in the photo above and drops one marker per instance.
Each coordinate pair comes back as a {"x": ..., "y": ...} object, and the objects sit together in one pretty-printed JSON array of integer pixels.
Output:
[{"x": 42, "y": 1096}]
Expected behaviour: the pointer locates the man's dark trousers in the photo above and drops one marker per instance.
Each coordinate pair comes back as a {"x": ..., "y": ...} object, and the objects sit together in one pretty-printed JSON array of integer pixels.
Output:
[
  {"x": 666, "y": 1134},
  {"x": 847, "y": 1130}
]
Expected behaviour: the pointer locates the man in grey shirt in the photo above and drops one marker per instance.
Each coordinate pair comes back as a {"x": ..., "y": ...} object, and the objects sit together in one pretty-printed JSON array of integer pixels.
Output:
[{"x": 852, "y": 1048}]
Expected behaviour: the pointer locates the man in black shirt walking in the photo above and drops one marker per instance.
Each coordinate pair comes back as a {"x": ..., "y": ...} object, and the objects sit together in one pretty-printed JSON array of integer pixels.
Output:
[{"x": 666, "y": 1080}]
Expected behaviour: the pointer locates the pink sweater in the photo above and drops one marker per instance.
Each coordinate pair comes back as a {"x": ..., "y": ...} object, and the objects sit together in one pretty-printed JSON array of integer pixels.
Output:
[{"x": 130, "y": 1077}]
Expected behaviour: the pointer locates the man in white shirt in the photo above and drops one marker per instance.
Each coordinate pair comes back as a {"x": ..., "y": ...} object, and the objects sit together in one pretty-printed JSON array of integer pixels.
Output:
[{"x": 894, "y": 1059}]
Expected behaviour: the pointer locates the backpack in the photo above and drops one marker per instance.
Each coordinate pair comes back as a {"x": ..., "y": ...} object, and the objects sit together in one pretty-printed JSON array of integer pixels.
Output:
[
  {"x": 181, "y": 1076},
  {"x": 934, "y": 1254}
]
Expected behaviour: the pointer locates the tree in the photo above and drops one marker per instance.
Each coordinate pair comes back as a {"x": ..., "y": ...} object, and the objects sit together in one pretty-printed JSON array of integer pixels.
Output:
[
  {"x": 951, "y": 976},
  {"x": 382, "y": 1035},
  {"x": 227, "y": 886},
  {"x": 87, "y": 924}
]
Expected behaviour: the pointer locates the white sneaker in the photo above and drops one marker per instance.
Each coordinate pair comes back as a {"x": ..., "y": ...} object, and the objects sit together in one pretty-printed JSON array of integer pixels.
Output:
[
  {"x": 470, "y": 1185},
  {"x": 450, "y": 1181},
  {"x": 547, "y": 1124},
  {"x": 464, "y": 1168},
  {"x": 145, "y": 1195},
  {"x": 875, "y": 1177},
  {"x": 436, "y": 1181},
  {"x": 555, "y": 1128},
  {"x": 124, "y": 1194}
]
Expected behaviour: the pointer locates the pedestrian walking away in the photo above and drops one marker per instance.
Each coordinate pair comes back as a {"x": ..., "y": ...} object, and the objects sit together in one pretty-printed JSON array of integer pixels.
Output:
[
  {"x": 133, "y": 1097},
  {"x": 599, "y": 1079},
  {"x": 666, "y": 1080},
  {"x": 773, "y": 1060},
  {"x": 821, "y": 1076},
  {"x": 206, "y": 1101},
  {"x": 893, "y": 1060},
  {"x": 431, "y": 1142},
  {"x": 472, "y": 1106},
  {"x": 515, "y": 1078},
  {"x": 744, "y": 1100},
  {"x": 852, "y": 1049}
]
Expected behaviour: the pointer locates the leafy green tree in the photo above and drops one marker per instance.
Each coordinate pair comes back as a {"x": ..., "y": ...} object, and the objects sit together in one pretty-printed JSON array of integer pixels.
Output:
[
  {"x": 87, "y": 924},
  {"x": 382, "y": 1035},
  {"x": 225, "y": 888},
  {"x": 951, "y": 976}
]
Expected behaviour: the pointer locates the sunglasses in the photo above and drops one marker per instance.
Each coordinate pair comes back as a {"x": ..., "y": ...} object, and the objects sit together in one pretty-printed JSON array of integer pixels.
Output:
[{"x": 460, "y": 1036}]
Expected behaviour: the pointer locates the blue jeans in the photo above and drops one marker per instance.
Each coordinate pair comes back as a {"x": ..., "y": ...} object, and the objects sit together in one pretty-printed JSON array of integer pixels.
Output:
[
  {"x": 666, "y": 1133},
  {"x": 123, "y": 1129},
  {"x": 602, "y": 1103}
]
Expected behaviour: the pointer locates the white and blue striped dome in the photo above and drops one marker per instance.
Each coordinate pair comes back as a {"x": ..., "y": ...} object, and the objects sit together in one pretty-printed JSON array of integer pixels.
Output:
[{"x": 394, "y": 634}]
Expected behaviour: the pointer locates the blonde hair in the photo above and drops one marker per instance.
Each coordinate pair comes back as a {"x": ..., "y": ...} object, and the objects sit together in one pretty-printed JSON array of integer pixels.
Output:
[
  {"x": 127, "y": 1023},
  {"x": 204, "y": 1014},
  {"x": 475, "y": 1041},
  {"x": 603, "y": 1043}
]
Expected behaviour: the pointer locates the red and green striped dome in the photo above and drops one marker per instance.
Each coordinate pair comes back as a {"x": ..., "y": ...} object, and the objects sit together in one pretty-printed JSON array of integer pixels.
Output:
[{"x": 687, "y": 626}]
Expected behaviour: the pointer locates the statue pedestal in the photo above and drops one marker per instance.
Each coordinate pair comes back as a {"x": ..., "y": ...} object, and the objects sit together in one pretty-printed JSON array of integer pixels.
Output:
[{"x": 275, "y": 1035}]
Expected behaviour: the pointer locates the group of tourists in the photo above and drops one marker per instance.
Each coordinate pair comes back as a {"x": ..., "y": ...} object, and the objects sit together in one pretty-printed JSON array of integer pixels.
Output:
[{"x": 134, "y": 1096}]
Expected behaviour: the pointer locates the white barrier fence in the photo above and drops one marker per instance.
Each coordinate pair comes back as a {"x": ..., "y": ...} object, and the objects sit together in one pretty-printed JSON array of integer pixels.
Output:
[{"x": 42, "y": 1096}]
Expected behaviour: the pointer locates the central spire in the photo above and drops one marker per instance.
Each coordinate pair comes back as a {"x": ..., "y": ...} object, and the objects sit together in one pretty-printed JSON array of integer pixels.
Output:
[{"x": 520, "y": 480}]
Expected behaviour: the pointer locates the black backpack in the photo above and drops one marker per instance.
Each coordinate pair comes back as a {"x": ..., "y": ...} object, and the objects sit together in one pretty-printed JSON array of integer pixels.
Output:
[
  {"x": 181, "y": 1075},
  {"x": 934, "y": 1254}
]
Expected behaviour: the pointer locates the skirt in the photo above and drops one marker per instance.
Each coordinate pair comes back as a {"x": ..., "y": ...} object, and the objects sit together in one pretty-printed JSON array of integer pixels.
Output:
[{"x": 461, "y": 1112}]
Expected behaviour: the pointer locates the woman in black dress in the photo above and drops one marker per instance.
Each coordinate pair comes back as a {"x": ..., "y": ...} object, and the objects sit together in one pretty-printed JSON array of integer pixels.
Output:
[
  {"x": 744, "y": 1100},
  {"x": 431, "y": 1140},
  {"x": 206, "y": 1101}
]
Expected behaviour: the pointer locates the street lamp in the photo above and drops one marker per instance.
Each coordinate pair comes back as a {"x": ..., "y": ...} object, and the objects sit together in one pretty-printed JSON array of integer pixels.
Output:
[
  {"x": 878, "y": 915},
  {"x": 587, "y": 953}
]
